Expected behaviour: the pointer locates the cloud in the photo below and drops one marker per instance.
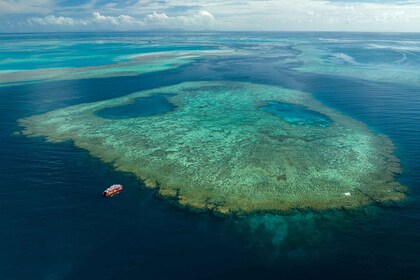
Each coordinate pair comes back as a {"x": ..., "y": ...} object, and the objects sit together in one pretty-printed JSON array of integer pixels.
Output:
[
  {"x": 124, "y": 20},
  {"x": 58, "y": 21},
  {"x": 25, "y": 6},
  {"x": 313, "y": 15},
  {"x": 200, "y": 19}
]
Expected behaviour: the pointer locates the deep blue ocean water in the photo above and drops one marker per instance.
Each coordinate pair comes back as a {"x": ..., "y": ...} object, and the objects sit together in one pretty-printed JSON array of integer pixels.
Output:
[{"x": 56, "y": 225}]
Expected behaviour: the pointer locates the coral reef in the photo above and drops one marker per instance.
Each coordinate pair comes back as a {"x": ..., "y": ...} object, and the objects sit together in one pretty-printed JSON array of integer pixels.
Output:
[
  {"x": 219, "y": 150},
  {"x": 316, "y": 61},
  {"x": 145, "y": 64}
]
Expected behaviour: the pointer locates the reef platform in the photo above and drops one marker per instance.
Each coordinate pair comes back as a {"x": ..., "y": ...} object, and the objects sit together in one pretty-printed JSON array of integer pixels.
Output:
[{"x": 234, "y": 148}]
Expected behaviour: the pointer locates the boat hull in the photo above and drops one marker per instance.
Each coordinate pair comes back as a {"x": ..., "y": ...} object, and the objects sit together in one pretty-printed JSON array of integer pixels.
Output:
[{"x": 113, "y": 190}]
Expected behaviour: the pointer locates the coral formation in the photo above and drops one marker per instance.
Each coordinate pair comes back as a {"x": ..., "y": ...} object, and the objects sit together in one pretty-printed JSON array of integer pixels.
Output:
[
  {"x": 145, "y": 64},
  {"x": 315, "y": 60},
  {"x": 219, "y": 150}
]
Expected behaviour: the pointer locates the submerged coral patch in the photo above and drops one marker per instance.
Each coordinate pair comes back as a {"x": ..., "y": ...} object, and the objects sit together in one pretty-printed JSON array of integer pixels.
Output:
[
  {"x": 319, "y": 61},
  {"x": 219, "y": 151},
  {"x": 147, "y": 64},
  {"x": 296, "y": 114}
]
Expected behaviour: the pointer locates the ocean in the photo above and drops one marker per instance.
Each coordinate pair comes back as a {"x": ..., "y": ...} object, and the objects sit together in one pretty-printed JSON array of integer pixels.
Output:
[{"x": 56, "y": 225}]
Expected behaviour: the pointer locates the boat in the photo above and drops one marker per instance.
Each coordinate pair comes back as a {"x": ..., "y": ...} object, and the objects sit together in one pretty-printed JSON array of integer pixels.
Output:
[{"x": 112, "y": 190}]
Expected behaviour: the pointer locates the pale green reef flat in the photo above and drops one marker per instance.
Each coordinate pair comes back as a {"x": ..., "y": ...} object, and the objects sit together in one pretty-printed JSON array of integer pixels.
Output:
[
  {"x": 137, "y": 65},
  {"x": 219, "y": 151},
  {"x": 141, "y": 65}
]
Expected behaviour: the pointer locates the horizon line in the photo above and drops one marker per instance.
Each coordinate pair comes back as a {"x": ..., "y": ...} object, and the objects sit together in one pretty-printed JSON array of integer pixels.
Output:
[{"x": 208, "y": 31}]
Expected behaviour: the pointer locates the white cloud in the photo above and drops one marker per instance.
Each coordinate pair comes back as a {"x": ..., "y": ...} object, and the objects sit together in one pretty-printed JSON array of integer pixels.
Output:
[
  {"x": 200, "y": 19},
  {"x": 58, "y": 21},
  {"x": 277, "y": 15},
  {"x": 157, "y": 19},
  {"x": 118, "y": 20},
  {"x": 25, "y": 6}
]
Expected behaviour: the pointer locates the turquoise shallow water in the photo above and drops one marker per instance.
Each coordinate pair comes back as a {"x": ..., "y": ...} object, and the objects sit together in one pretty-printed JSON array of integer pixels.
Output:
[
  {"x": 55, "y": 225},
  {"x": 28, "y": 52},
  {"x": 296, "y": 114}
]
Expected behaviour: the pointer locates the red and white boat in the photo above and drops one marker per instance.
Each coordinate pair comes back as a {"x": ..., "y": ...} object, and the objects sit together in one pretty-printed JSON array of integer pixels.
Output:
[{"x": 112, "y": 190}]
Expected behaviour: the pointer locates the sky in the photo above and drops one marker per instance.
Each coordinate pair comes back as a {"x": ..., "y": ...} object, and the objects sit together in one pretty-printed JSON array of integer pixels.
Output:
[{"x": 224, "y": 15}]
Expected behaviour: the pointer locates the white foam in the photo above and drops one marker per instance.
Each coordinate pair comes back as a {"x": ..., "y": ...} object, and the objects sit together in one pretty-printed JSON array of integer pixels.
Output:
[
  {"x": 345, "y": 58},
  {"x": 394, "y": 48}
]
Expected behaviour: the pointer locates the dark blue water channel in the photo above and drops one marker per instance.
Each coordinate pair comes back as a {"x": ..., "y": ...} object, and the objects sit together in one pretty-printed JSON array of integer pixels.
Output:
[{"x": 56, "y": 225}]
